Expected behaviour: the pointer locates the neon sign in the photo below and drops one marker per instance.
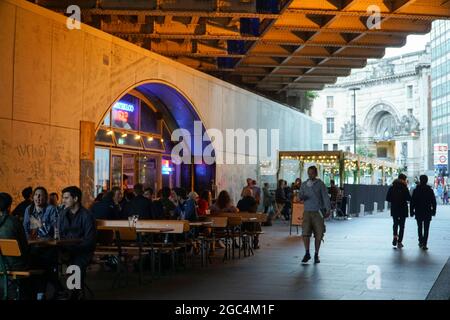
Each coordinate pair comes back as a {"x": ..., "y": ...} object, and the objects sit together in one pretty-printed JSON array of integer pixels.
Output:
[
  {"x": 123, "y": 106},
  {"x": 166, "y": 168},
  {"x": 121, "y": 116}
]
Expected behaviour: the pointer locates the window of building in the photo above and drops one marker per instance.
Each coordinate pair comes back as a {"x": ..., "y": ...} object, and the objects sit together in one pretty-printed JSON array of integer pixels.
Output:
[
  {"x": 130, "y": 146},
  {"x": 347, "y": 149},
  {"x": 330, "y": 125},
  {"x": 149, "y": 119},
  {"x": 101, "y": 177},
  {"x": 330, "y": 102},
  {"x": 409, "y": 92},
  {"x": 125, "y": 113},
  {"x": 382, "y": 152},
  {"x": 404, "y": 151},
  {"x": 325, "y": 147},
  {"x": 335, "y": 147}
]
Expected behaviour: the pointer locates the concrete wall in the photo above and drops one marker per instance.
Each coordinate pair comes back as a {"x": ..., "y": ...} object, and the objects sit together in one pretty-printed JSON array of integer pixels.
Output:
[{"x": 51, "y": 78}]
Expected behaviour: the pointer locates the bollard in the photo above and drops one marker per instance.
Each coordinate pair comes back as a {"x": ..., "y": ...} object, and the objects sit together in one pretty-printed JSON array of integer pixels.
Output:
[
  {"x": 375, "y": 207},
  {"x": 349, "y": 198},
  {"x": 361, "y": 209}
]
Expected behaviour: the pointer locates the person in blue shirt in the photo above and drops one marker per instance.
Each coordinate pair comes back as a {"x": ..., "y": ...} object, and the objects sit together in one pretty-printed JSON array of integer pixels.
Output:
[
  {"x": 39, "y": 222},
  {"x": 40, "y": 217},
  {"x": 190, "y": 207}
]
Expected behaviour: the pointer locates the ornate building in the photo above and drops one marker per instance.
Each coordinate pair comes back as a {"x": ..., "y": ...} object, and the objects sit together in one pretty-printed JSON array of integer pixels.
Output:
[
  {"x": 393, "y": 109},
  {"x": 440, "y": 75}
]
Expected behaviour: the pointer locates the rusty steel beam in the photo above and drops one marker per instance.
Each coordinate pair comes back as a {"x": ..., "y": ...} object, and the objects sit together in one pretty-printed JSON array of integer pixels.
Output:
[
  {"x": 175, "y": 13},
  {"x": 285, "y": 6},
  {"x": 354, "y": 30},
  {"x": 250, "y": 38},
  {"x": 410, "y": 16}
]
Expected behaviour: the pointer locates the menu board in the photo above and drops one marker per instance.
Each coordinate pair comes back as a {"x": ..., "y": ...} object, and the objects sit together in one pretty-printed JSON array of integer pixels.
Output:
[{"x": 297, "y": 213}]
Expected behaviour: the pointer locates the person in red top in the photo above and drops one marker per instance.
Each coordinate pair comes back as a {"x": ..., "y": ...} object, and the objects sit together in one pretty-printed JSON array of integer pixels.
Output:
[{"x": 204, "y": 202}]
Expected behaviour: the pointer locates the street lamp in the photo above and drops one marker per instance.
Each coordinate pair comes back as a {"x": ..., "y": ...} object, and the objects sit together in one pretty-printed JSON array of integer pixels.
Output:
[{"x": 354, "y": 89}]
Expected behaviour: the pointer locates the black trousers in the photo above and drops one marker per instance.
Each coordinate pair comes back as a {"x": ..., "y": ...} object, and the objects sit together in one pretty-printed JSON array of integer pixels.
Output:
[
  {"x": 423, "y": 227},
  {"x": 47, "y": 260},
  {"x": 399, "y": 227}
]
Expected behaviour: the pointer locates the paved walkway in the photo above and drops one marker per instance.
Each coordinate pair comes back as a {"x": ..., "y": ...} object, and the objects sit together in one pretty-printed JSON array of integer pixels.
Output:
[{"x": 275, "y": 271}]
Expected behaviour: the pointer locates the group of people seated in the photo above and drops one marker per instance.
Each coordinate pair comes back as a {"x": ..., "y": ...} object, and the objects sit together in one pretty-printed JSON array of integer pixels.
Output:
[
  {"x": 43, "y": 220},
  {"x": 41, "y": 216},
  {"x": 167, "y": 204}
]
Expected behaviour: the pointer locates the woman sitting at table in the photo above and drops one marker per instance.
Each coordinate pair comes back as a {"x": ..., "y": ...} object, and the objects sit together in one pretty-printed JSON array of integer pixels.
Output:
[
  {"x": 190, "y": 207},
  {"x": 248, "y": 202},
  {"x": 204, "y": 203},
  {"x": 223, "y": 204},
  {"x": 39, "y": 223},
  {"x": 40, "y": 217}
]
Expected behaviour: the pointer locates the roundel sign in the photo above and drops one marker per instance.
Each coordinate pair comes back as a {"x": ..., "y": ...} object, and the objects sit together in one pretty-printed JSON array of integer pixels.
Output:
[{"x": 440, "y": 154}]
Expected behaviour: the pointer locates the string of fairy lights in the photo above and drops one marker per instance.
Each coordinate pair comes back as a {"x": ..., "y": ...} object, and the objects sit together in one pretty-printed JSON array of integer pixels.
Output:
[{"x": 331, "y": 164}]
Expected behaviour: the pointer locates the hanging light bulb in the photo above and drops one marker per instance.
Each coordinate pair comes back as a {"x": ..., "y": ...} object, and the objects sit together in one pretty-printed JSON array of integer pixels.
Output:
[
  {"x": 109, "y": 132},
  {"x": 124, "y": 135},
  {"x": 150, "y": 139}
]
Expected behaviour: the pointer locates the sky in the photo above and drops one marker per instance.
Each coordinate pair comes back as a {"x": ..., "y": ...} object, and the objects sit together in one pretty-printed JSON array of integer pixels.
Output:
[{"x": 413, "y": 43}]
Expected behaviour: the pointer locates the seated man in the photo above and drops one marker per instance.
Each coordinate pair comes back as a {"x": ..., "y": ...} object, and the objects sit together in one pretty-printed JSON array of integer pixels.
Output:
[
  {"x": 108, "y": 208},
  {"x": 19, "y": 211},
  {"x": 76, "y": 222},
  {"x": 139, "y": 205},
  {"x": 11, "y": 228}
]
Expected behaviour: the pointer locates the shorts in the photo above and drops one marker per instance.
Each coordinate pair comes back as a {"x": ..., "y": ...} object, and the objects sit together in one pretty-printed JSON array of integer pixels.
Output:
[{"x": 313, "y": 222}]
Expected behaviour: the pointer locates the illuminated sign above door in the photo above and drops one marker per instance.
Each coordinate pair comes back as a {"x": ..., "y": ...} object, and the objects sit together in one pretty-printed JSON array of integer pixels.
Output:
[{"x": 123, "y": 106}]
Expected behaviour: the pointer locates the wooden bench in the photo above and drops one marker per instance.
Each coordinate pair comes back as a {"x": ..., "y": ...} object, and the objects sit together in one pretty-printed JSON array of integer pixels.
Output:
[
  {"x": 250, "y": 233},
  {"x": 10, "y": 248}
]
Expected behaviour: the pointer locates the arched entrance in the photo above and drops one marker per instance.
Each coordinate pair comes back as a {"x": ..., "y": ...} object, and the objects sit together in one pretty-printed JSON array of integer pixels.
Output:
[
  {"x": 382, "y": 123},
  {"x": 133, "y": 141}
]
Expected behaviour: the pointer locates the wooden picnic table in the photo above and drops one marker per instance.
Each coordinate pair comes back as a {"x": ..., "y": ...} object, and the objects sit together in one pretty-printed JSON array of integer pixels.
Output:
[
  {"x": 137, "y": 229},
  {"x": 53, "y": 242},
  {"x": 200, "y": 223},
  {"x": 154, "y": 230}
]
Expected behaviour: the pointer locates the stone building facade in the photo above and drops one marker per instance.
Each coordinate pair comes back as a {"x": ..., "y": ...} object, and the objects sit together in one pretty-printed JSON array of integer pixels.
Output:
[{"x": 393, "y": 109}]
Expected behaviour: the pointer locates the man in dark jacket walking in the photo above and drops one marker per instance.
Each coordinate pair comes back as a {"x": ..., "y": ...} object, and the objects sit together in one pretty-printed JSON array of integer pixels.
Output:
[
  {"x": 398, "y": 195},
  {"x": 423, "y": 207}
]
